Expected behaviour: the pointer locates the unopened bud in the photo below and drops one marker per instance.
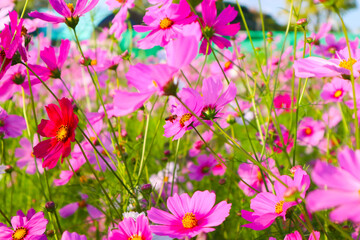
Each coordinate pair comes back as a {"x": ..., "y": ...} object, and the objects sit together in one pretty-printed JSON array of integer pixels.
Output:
[
  {"x": 309, "y": 40},
  {"x": 293, "y": 169},
  {"x": 302, "y": 22},
  {"x": 50, "y": 206},
  {"x": 9, "y": 169},
  {"x": 50, "y": 233},
  {"x": 222, "y": 181},
  {"x": 167, "y": 152},
  {"x": 146, "y": 188},
  {"x": 230, "y": 119},
  {"x": 269, "y": 34}
]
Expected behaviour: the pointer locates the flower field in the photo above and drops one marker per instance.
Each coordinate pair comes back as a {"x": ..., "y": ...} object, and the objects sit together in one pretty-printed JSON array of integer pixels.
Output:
[{"x": 209, "y": 136}]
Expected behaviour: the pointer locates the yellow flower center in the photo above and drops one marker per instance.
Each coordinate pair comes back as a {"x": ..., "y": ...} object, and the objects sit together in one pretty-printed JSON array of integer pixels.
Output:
[
  {"x": 166, "y": 179},
  {"x": 93, "y": 62},
  {"x": 32, "y": 154},
  {"x": 154, "y": 83},
  {"x": 20, "y": 233},
  {"x": 347, "y": 64},
  {"x": 279, "y": 207},
  {"x": 62, "y": 133},
  {"x": 308, "y": 131},
  {"x": 186, "y": 117},
  {"x": 338, "y": 93},
  {"x": 227, "y": 64},
  {"x": 189, "y": 220},
  {"x": 259, "y": 176},
  {"x": 166, "y": 23},
  {"x": 71, "y": 7},
  {"x": 135, "y": 237}
]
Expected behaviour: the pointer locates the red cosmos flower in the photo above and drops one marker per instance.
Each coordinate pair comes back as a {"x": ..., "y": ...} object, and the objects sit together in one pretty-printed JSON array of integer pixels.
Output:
[{"x": 61, "y": 130}]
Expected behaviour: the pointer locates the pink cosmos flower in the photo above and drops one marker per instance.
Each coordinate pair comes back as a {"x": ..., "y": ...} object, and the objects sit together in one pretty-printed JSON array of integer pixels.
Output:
[
  {"x": 70, "y": 14},
  {"x": 332, "y": 117},
  {"x": 198, "y": 145},
  {"x": 132, "y": 229},
  {"x": 267, "y": 206},
  {"x": 181, "y": 119},
  {"x": 32, "y": 226},
  {"x": 55, "y": 64},
  {"x": 251, "y": 174},
  {"x": 15, "y": 79},
  {"x": 206, "y": 163},
  {"x": 72, "y": 236},
  {"x": 332, "y": 46},
  {"x": 282, "y": 103},
  {"x": 339, "y": 187},
  {"x": 165, "y": 24},
  {"x": 71, "y": 208},
  {"x": 335, "y": 90},
  {"x": 119, "y": 24},
  {"x": 11, "y": 126},
  {"x": 148, "y": 80},
  {"x": 297, "y": 236},
  {"x": 213, "y": 25},
  {"x": 11, "y": 42},
  {"x": 189, "y": 216},
  {"x": 339, "y": 66},
  {"x": 66, "y": 175},
  {"x": 310, "y": 132},
  {"x": 215, "y": 98},
  {"x": 26, "y": 157}
]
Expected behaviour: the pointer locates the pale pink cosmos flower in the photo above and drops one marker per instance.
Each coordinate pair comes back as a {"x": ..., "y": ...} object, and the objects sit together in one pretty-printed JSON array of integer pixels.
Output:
[
  {"x": 66, "y": 175},
  {"x": 332, "y": 117},
  {"x": 132, "y": 229},
  {"x": 251, "y": 174},
  {"x": 335, "y": 90},
  {"x": 310, "y": 132},
  {"x": 339, "y": 66},
  {"x": 338, "y": 187},
  {"x": 189, "y": 216},
  {"x": 268, "y": 206}
]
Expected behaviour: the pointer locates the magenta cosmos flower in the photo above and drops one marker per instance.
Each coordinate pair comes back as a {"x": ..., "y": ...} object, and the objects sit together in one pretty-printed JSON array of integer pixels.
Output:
[
  {"x": 70, "y": 14},
  {"x": 130, "y": 229},
  {"x": 268, "y": 206},
  {"x": 282, "y": 103},
  {"x": 204, "y": 167},
  {"x": 297, "y": 236},
  {"x": 181, "y": 119},
  {"x": 339, "y": 66},
  {"x": 71, "y": 208},
  {"x": 335, "y": 90},
  {"x": 189, "y": 216},
  {"x": 72, "y": 236},
  {"x": 61, "y": 131},
  {"x": 28, "y": 227},
  {"x": 339, "y": 187},
  {"x": 310, "y": 132},
  {"x": 165, "y": 24},
  {"x": 10, "y": 42},
  {"x": 213, "y": 25},
  {"x": 11, "y": 126},
  {"x": 251, "y": 174}
]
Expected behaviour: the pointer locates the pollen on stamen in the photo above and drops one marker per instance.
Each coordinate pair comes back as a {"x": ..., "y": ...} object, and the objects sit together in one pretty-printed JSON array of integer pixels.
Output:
[
  {"x": 62, "y": 133},
  {"x": 135, "y": 237},
  {"x": 338, "y": 93},
  {"x": 166, "y": 23},
  {"x": 189, "y": 220},
  {"x": 71, "y": 7},
  {"x": 20, "y": 233},
  {"x": 347, "y": 64},
  {"x": 186, "y": 117},
  {"x": 279, "y": 207}
]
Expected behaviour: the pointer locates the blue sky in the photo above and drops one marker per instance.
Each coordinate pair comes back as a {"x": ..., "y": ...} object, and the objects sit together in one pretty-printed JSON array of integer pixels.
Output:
[{"x": 274, "y": 7}]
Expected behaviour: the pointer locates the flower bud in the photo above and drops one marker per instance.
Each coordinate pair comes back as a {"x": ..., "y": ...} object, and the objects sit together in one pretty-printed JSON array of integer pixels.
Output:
[
  {"x": 309, "y": 40},
  {"x": 302, "y": 22},
  {"x": 50, "y": 206},
  {"x": 230, "y": 119},
  {"x": 146, "y": 188},
  {"x": 222, "y": 181},
  {"x": 293, "y": 169},
  {"x": 9, "y": 169},
  {"x": 50, "y": 233}
]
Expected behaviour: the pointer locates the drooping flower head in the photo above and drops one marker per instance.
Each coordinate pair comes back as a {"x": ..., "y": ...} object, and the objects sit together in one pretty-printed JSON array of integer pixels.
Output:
[
  {"x": 32, "y": 226},
  {"x": 131, "y": 229},
  {"x": 61, "y": 131},
  {"x": 70, "y": 14},
  {"x": 213, "y": 26},
  {"x": 189, "y": 216}
]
